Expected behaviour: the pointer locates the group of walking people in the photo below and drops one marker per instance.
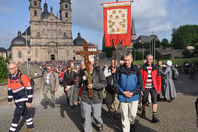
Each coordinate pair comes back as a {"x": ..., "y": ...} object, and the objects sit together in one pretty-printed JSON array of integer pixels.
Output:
[{"x": 124, "y": 85}]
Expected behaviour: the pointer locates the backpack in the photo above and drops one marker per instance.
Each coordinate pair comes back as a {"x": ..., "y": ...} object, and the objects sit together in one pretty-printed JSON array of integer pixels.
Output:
[
  {"x": 175, "y": 73},
  {"x": 31, "y": 81}
]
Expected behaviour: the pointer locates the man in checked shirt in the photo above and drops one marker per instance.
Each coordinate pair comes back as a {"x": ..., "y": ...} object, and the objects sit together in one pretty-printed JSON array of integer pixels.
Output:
[{"x": 19, "y": 89}]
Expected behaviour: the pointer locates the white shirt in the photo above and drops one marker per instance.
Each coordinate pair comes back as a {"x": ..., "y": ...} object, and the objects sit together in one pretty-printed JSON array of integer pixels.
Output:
[{"x": 47, "y": 79}]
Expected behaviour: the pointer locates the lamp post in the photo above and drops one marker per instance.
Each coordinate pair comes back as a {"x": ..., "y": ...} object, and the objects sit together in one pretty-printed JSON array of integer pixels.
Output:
[
  {"x": 26, "y": 51},
  {"x": 143, "y": 51},
  {"x": 154, "y": 50}
]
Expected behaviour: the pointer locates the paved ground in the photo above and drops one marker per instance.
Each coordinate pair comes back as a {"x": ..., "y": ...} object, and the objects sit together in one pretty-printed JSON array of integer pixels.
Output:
[{"x": 177, "y": 116}]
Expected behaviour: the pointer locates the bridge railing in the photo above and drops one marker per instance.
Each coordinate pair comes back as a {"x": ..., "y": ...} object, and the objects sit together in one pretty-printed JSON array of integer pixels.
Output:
[{"x": 4, "y": 87}]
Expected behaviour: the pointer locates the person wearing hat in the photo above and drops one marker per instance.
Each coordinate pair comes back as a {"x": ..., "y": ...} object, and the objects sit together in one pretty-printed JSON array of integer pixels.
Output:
[
  {"x": 170, "y": 92},
  {"x": 69, "y": 81}
]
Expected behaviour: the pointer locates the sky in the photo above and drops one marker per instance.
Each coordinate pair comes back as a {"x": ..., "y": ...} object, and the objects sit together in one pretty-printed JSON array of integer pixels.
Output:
[{"x": 157, "y": 17}]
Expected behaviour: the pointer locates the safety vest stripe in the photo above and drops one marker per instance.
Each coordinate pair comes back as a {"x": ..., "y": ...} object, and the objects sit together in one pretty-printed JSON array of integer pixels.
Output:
[
  {"x": 14, "y": 125},
  {"x": 30, "y": 96},
  {"x": 10, "y": 97},
  {"x": 28, "y": 88},
  {"x": 21, "y": 100},
  {"x": 28, "y": 120},
  {"x": 17, "y": 90},
  {"x": 12, "y": 129},
  {"x": 29, "y": 123}
]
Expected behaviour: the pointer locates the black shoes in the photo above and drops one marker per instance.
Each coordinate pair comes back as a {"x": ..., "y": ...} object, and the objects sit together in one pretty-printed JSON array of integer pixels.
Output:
[
  {"x": 46, "y": 105},
  {"x": 99, "y": 127},
  {"x": 155, "y": 119},
  {"x": 143, "y": 114},
  {"x": 53, "y": 105}
]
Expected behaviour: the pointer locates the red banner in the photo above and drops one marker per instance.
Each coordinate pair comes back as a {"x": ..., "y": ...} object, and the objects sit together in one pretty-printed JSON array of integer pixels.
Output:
[{"x": 117, "y": 23}]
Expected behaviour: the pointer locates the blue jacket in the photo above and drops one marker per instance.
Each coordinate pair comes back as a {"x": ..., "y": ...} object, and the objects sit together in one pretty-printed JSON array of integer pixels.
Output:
[{"x": 129, "y": 80}]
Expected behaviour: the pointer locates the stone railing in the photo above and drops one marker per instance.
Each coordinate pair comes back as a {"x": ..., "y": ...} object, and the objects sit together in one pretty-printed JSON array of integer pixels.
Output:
[{"x": 4, "y": 88}]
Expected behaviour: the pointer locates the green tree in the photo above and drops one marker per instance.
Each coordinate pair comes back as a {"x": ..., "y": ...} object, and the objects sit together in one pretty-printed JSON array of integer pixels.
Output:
[
  {"x": 107, "y": 50},
  {"x": 195, "y": 52},
  {"x": 137, "y": 55},
  {"x": 3, "y": 70},
  {"x": 184, "y": 36},
  {"x": 164, "y": 43},
  {"x": 186, "y": 53},
  {"x": 137, "y": 45}
]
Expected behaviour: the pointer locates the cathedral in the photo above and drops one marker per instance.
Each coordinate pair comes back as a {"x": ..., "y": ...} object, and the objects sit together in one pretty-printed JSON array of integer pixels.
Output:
[{"x": 48, "y": 37}]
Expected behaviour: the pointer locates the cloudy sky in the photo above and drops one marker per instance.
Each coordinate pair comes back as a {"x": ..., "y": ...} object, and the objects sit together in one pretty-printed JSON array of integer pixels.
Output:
[{"x": 151, "y": 17}]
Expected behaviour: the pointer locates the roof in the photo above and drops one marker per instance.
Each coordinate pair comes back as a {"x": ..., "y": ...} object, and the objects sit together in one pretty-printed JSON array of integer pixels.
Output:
[
  {"x": 90, "y": 45},
  {"x": 2, "y": 49},
  {"x": 146, "y": 39},
  {"x": 19, "y": 41},
  {"x": 28, "y": 31},
  {"x": 79, "y": 40},
  {"x": 65, "y": 0}
]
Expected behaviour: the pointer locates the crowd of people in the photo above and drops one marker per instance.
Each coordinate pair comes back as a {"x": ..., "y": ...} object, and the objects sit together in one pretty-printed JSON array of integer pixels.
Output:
[{"x": 127, "y": 87}]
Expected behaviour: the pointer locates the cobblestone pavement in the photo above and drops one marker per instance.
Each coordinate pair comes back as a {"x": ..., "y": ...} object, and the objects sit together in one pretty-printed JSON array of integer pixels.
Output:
[{"x": 177, "y": 116}]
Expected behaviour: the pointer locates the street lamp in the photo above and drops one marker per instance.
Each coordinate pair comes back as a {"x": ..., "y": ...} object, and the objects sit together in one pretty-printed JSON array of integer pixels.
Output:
[
  {"x": 143, "y": 51},
  {"x": 26, "y": 51}
]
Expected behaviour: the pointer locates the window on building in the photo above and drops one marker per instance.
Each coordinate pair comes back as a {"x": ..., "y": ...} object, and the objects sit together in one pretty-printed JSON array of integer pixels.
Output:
[
  {"x": 38, "y": 34},
  {"x": 35, "y": 12},
  {"x": 35, "y": 3},
  {"x": 19, "y": 54},
  {"x": 66, "y": 6},
  {"x": 51, "y": 34},
  {"x": 65, "y": 35},
  {"x": 66, "y": 15}
]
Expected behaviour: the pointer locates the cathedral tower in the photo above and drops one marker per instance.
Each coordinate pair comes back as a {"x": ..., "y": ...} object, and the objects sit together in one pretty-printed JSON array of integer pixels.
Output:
[
  {"x": 35, "y": 10},
  {"x": 65, "y": 11},
  {"x": 133, "y": 34}
]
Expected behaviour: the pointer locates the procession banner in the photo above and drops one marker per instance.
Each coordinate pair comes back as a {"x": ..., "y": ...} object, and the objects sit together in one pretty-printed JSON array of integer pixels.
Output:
[{"x": 117, "y": 23}]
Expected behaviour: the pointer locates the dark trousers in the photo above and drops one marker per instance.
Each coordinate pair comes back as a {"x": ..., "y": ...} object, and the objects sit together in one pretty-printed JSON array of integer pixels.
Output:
[
  {"x": 21, "y": 110},
  {"x": 153, "y": 93}
]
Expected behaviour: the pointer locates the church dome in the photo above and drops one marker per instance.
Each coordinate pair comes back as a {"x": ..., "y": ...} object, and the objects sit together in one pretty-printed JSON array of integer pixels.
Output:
[
  {"x": 79, "y": 41},
  {"x": 18, "y": 41}
]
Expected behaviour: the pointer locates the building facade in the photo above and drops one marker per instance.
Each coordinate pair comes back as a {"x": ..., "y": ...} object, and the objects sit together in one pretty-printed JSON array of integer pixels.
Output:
[{"x": 48, "y": 37}]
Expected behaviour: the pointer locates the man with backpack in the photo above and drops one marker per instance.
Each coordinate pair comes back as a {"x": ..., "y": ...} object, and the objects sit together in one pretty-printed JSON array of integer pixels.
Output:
[
  {"x": 19, "y": 89},
  {"x": 49, "y": 83}
]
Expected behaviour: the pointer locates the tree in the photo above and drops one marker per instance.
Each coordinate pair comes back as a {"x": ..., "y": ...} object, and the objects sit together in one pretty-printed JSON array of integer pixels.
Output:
[
  {"x": 186, "y": 53},
  {"x": 184, "y": 36},
  {"x": 164, "y": 43},
  {"x": 3, "y": 70},
  {"x": 107, "y": 50},
  {"x": 137, "y": 45},
  {"x": 195, "y": 52}
]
